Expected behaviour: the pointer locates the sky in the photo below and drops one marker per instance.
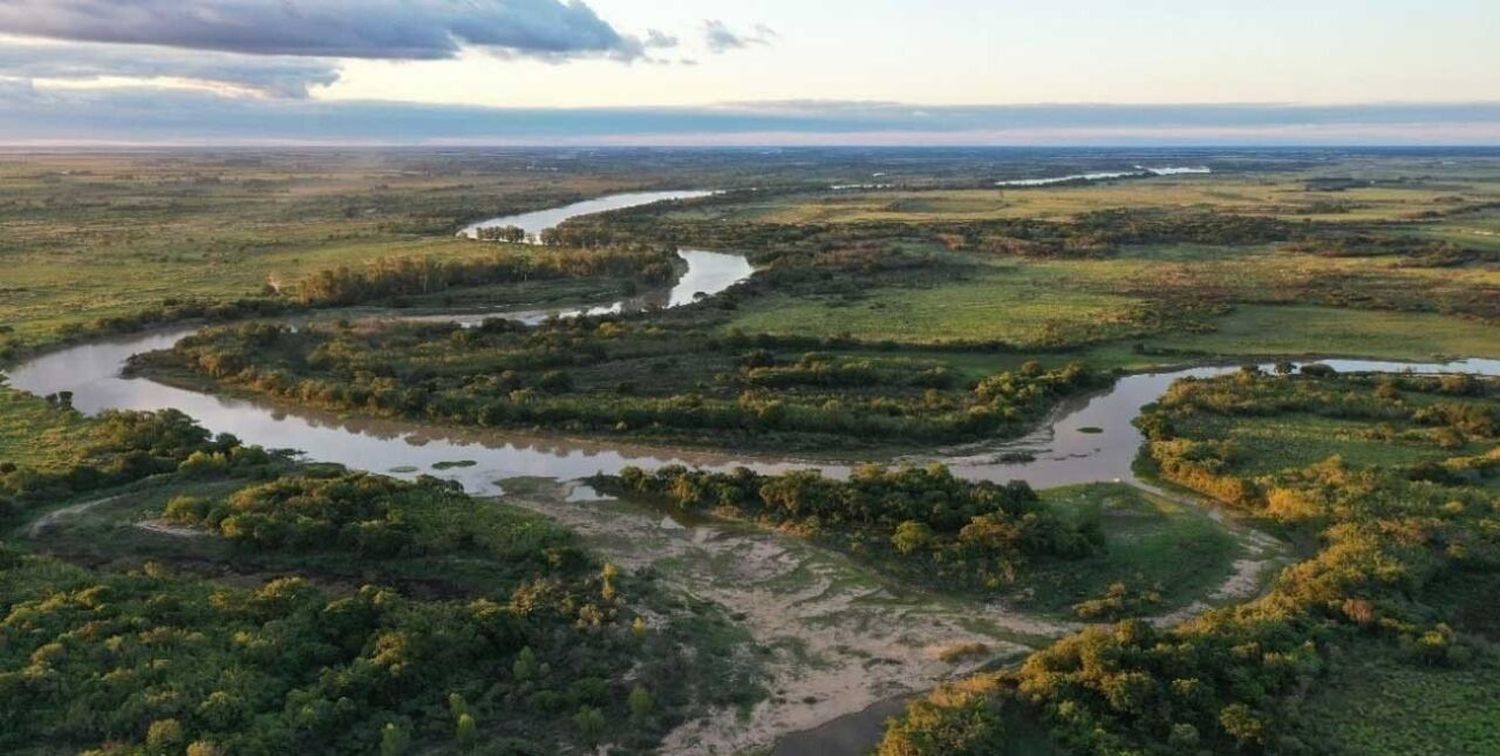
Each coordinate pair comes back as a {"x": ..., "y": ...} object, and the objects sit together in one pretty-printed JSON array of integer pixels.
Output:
[{"x": 766, "y": 72}]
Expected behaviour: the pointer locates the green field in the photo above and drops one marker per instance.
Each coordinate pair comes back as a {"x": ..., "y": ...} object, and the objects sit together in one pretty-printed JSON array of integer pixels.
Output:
[
  {"x": 1153, "y": 544},
  {"x": 1375, "y": 703},
  {"x": 35, "y": 434},
  {"x": 1269, "y": 194},
  {"x": 1258, "y": 330},
  {"x": 91, "y": 236},
  {"x": 1027, "y": 306}
]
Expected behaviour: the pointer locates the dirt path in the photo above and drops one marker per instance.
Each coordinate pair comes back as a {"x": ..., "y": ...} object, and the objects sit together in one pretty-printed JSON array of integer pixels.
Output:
[
  {"x": 1262, "y": 553},
  {"x": 41, "y": 524}
]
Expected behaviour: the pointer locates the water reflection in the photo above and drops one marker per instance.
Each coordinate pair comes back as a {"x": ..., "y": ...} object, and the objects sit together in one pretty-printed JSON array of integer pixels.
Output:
[
  {"x": 535, "y": 223},
  {"x": 1088, "y": 439},
  {"x": 708, "y": 273}
]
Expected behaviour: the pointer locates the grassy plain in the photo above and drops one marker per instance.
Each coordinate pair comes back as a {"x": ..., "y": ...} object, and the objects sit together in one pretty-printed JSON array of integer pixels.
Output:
[
  {"x": 1281, "y": 195},
  {"x": 1267, "y": 443},
  {"x": 101, "y": 235},
  {"x": 1152, "y": 544},
  {"x": 1023, "y": 305},
  {"x": 1376, "y": 704},
  {"x": 1265, "y": 331},
  {"x": 91, "y": 236}
]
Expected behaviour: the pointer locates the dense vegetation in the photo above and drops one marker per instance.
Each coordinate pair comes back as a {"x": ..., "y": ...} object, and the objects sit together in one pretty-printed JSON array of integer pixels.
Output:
[
  {"x": 390, "y": 279},
  {"x": 614, "y": 376},
  {"x": 122, "y": 447},
  {"x": 526, "y": 644},
  {"x": 927, "y": 523},
  {"x": 1391, "y": 540}
]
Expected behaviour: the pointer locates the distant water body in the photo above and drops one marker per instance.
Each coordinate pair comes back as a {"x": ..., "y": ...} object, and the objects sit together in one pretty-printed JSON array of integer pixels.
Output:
[{"x": 1138, "y": 172}]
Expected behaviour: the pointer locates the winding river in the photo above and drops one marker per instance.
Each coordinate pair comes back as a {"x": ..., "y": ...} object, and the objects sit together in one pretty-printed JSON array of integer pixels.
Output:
[{"x": 1087, "y": 439}]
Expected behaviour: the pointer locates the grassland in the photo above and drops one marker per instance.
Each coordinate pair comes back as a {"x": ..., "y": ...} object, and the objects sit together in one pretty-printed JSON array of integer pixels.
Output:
[
  {"x": 1023, "y": 305},
  {"x": 1192, "y": 300},
  {"x": 1375, "y": 703},
  {"x": 1152, "y": 545},
  {"x": 1403, "y": 432},
  {"x": 1282, "y": 195},
  {"x": 1259, "y": 330},
  {"x": 36, "y": 434},
  {"x": 100, "y": 235},
  {"x": 873, "y": 324}
]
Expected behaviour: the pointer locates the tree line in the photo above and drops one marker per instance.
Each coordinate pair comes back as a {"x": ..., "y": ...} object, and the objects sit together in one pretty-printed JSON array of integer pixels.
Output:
[{"x": 922, "y": 519}]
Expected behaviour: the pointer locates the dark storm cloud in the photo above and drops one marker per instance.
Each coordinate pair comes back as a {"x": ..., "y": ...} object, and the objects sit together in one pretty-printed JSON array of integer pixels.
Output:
[
  {"x": 273, "y": 76},
  {"x": 720, "y": 38},
  {"x": 385, "y": 29}
]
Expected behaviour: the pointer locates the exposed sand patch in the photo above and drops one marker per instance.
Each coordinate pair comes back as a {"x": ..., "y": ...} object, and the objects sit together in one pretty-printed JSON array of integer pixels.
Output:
[
  {"x": 841, "y": 640},
  {"x": 168, "y": 529}
]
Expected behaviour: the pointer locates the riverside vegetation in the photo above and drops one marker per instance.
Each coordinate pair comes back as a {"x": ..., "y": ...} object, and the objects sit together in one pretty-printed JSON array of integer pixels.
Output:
[
  {"x": 150, "y": 568},
  {"x": 294, "y": 607},
  {"x": 1391, "y": 481}
]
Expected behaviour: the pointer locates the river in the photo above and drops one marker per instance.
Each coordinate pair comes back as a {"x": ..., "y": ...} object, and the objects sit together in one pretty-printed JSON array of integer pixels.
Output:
[
  {"x": 1087, "y": 439},
  {"x": 535, "y": 223}
]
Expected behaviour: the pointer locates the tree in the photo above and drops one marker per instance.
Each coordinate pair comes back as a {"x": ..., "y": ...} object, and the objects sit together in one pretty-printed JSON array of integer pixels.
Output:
[
  {"x": 394, "y": 740},
  {"x": 164, "y": 736},
  {"x": 641, "y": 703},
  {"x": 912, "y": 536},
  {"x": 468, "y": 731},
  {"x": 607, "y": 576},
  {"x": 1240, "y": 721},
  {"x": 525, "y": 667},
  {"x": 590, "y": 723}
]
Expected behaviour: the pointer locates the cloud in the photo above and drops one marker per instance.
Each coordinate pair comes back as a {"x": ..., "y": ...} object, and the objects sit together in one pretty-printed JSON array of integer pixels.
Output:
[
  {"x": 36, "y": 116},
  {"x": 267, "y": 76},
  {"x": 659, "y": 39},
  {"x": 720, "y": 38},
  {"x": 381, "y": 29}
]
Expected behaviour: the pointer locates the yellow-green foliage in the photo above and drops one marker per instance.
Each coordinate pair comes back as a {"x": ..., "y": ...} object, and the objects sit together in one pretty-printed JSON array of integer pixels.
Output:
[{"x": 35, "y": 433}]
